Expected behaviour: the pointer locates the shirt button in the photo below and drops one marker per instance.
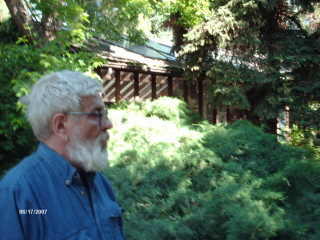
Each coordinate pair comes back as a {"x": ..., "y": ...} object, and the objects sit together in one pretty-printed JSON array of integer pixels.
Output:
[
  {"x": 75, "y": 177},
  {"x": 68, "y": 182},
  {"x": 82, "y": 193}
]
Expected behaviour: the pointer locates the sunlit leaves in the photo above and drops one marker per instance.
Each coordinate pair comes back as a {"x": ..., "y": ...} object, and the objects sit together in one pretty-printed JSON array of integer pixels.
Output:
[
  {"x": 188, "y": 182},
  {"x": 112, "y": 19},
  {"x": 192, "y": 12}
]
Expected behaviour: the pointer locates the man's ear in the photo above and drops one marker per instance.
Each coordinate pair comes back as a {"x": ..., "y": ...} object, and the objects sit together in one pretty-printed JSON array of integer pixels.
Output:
[{"x": 60, "y": 126}]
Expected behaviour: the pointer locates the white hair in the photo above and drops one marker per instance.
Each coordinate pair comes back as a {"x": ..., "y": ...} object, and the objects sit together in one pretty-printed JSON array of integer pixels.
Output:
[{"x": 54, "y": 93}]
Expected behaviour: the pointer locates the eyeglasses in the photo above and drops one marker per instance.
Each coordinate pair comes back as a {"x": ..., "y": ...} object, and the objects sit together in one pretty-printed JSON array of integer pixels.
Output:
[{"x": 102, "y": 116}]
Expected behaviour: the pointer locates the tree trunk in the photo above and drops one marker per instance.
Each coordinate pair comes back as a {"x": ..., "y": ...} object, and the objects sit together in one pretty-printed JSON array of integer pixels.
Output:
[
  {"x": 22, "y": 18},
  {"x": 36, "y": 31}
]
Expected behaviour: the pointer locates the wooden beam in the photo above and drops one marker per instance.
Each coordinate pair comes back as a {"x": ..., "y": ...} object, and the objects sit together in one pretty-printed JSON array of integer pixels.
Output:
[
  {"x": 136, "y": 84},
  {"x": 170, "y": 86},
  {"x": 154, "y": 86},
  {"x": 118, "y": 86},
  {"x": 176, "y": 72}
]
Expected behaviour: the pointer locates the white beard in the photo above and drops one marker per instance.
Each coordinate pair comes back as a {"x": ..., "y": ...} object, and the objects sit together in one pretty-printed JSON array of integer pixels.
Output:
[{"x": 89, "y": 155}]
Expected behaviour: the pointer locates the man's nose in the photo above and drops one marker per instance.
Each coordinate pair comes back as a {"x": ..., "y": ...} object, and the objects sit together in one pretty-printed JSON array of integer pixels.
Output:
[{"x": 107, "y": 124}]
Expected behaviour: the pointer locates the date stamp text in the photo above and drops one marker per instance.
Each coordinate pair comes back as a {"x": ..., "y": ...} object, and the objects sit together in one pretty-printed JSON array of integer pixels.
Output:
[{"x": 32, "y": 211}]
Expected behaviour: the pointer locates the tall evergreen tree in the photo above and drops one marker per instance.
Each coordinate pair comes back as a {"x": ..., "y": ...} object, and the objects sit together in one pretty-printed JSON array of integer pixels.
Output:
[{"x": 259, "y": 56}]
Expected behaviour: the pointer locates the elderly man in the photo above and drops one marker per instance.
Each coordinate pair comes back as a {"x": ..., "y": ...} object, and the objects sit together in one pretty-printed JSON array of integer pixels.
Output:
[{"x": 58, "y": 192}]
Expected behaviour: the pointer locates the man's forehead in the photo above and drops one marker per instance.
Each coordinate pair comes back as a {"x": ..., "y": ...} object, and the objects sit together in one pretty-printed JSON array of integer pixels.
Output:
[{"x": 92, "y": 101}]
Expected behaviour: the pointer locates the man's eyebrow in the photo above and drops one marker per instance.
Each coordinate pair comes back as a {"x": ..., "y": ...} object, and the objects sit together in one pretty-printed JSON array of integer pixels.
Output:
[{"x": 99, "y": 109}]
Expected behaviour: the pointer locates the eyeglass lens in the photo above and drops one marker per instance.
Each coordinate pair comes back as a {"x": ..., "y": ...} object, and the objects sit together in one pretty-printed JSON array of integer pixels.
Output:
[{"x": 103, "y": 119}]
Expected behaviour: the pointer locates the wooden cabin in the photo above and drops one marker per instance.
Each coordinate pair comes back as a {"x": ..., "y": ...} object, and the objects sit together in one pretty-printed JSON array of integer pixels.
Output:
[{"x": 135, "y": 72}]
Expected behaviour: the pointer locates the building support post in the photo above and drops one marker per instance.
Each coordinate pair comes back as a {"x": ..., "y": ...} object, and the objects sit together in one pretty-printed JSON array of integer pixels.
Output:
[
  {"x": 170, "y": 86},
  {"x": 118, "y": 85},
  {"x": 154, "y": 86},
  {"x": 136, "y": 85}
]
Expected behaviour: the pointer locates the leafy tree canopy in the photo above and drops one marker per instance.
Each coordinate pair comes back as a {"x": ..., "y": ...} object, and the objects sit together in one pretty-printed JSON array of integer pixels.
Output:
[
  {"x": 109, "y": 19},
  {"x": 259, "y": 56}
]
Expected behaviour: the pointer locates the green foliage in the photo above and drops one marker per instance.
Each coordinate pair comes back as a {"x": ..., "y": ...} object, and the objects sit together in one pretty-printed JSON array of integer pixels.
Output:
[
  {"x": 191, "y": 12},
  {"x": 107, "y": 19},
  {"x": 184, "y": 181},
  {"x": 15, "y": 134},
  {"x": 112, "y": 19},
  {"x": 8, "y": 31},
  {"x": 175, "y": 111},
  {"x": 258, "y": 56},
  {"x": 68, "y": 12},
  {"x": 306, "y": 138},
  {"x": 21, "y": 66}
]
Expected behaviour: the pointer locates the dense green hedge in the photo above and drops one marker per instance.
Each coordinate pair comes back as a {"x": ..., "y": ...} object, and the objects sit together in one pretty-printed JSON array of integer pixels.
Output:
[{"x": 179, "y": 178}]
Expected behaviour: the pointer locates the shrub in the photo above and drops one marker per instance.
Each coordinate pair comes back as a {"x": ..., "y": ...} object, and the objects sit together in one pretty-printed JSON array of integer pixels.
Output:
[
  {"x": 15, "y": 134},
  {"x": 180, "y": 181}
]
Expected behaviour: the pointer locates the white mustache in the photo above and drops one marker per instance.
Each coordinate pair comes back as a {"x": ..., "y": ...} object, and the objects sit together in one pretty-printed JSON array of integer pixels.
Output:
[{"x": 103, "y": 137}]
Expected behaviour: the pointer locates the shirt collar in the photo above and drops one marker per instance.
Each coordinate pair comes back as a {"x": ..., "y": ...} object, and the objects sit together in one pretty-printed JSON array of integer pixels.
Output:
[{"x": 58, "y": 163}]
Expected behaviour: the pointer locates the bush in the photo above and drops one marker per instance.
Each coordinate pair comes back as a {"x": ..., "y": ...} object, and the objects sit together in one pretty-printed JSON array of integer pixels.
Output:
[
  {"x": 180, "y": 181},
  {"x": 21, "y": 65},
  {"x": 15, "y": 134},
  {"x": 8, "y": 31}
]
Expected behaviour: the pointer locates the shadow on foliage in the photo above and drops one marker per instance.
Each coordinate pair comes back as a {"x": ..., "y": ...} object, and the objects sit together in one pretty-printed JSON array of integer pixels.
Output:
[{"x": 236, "y": 182}]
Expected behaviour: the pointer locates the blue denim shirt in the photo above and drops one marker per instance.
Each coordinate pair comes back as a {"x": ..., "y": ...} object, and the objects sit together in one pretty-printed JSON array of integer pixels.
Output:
[{"x": 43, "y": 197}]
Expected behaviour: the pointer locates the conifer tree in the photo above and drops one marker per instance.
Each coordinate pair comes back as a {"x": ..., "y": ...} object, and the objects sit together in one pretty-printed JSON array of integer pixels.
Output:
[{"x": 259, "y": 56}]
